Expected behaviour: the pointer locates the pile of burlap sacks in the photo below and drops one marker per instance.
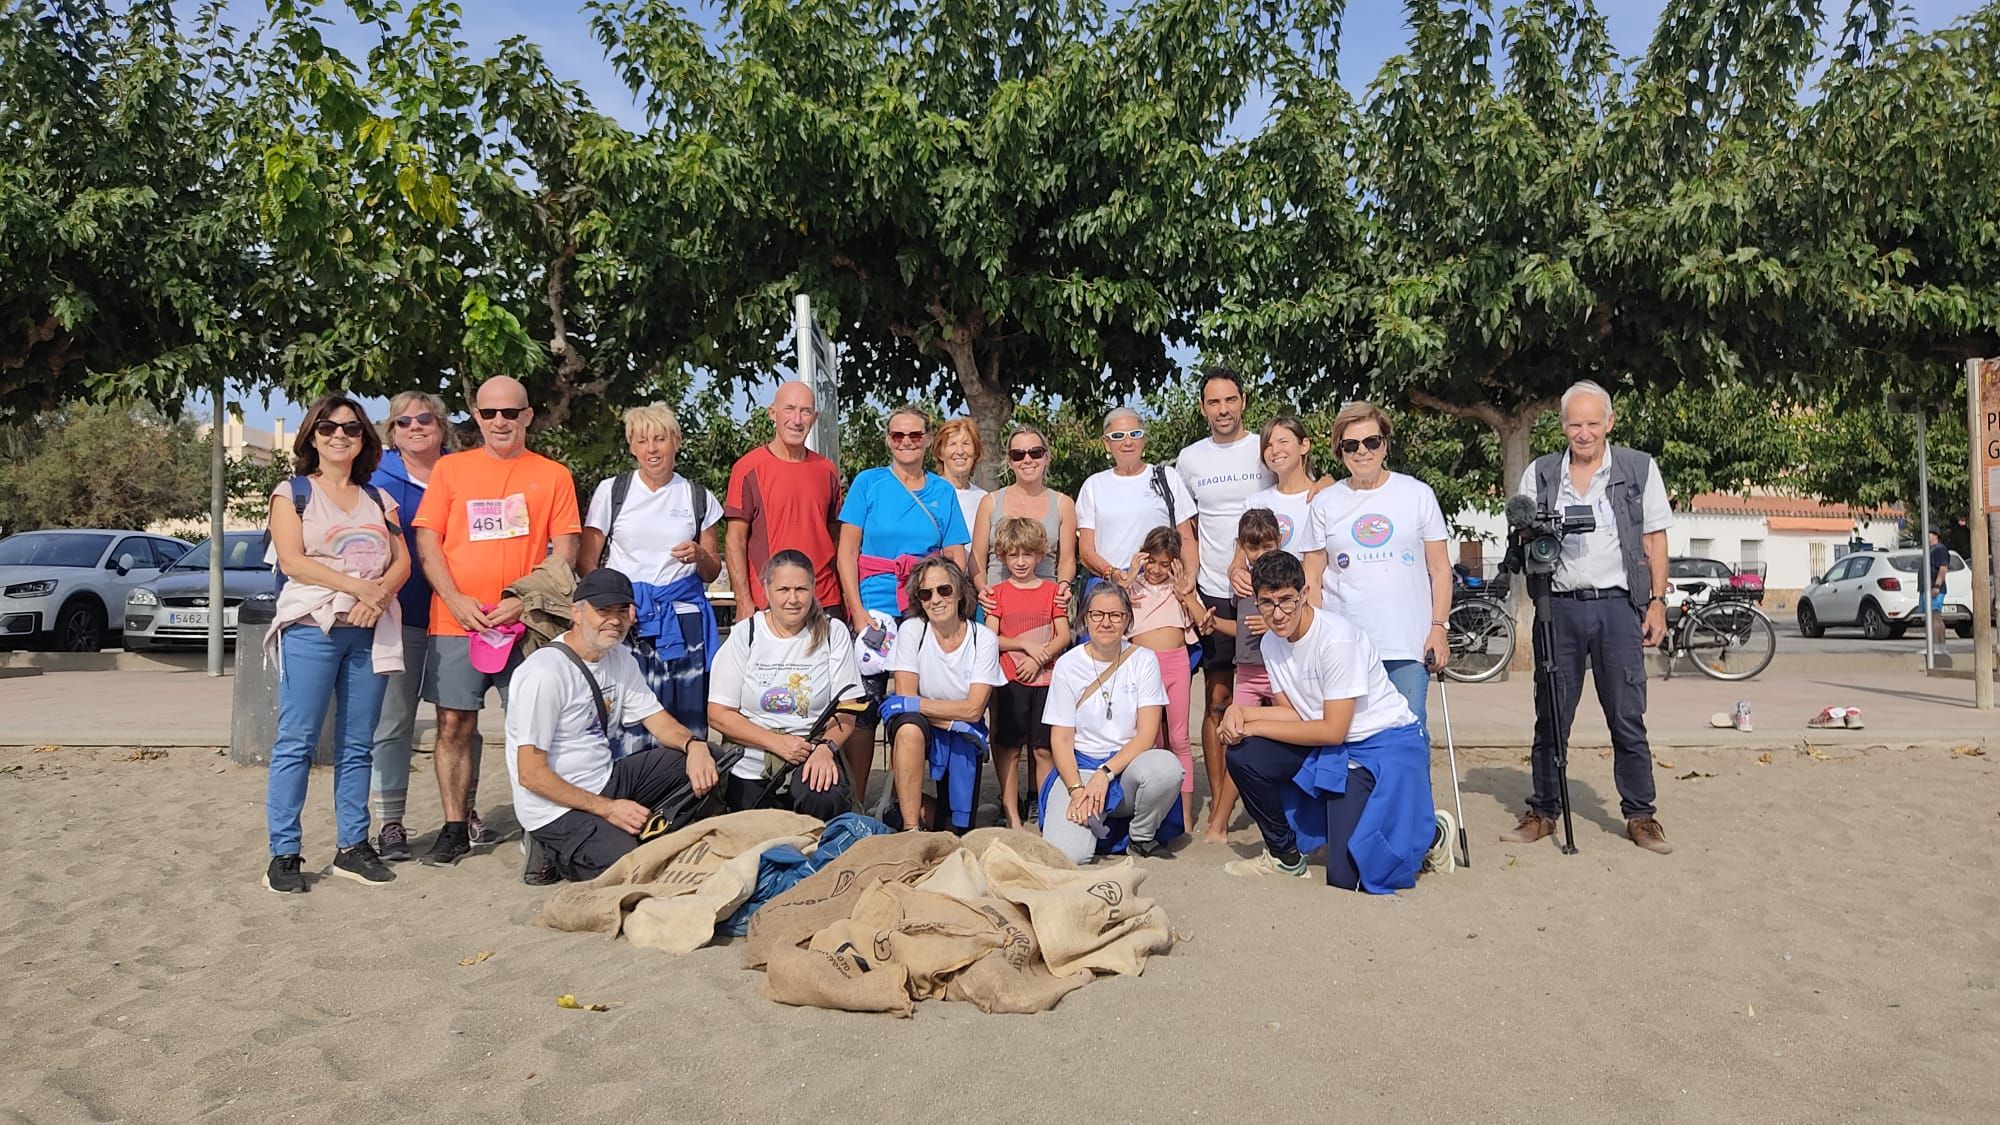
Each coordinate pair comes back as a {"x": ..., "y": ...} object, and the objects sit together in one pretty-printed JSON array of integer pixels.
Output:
[{"x": 996, "y": 917}]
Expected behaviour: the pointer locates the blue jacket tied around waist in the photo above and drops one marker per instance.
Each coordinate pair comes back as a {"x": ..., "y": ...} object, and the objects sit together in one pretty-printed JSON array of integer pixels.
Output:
[
  {"x": 1396, "y": 828},
  {"x": 657, "y": 622},
  {"x": 954, "y": 753}
]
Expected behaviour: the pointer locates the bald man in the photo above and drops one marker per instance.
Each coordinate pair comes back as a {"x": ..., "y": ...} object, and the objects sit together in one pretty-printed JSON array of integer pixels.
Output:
[
  {"x": 489, "y": 516},
  {"x": 783, "y": 496}
]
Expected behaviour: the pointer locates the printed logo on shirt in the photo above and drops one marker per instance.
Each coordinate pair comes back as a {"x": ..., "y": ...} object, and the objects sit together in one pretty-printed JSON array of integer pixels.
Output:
[
  {"x": 610, "y": 703},
  {"x": 1284, "y": 530},
  {"x": 1372, "y": 530},
  {"x": 1342, "y": 560},
  {"x": 1409, "y": 557},
  {"x": 792, "y": 699}
]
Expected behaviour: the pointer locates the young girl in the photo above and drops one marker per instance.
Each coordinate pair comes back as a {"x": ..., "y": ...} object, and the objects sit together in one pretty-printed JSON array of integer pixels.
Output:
[
  {"x": 1257, "y": 534},
  {"x": 1032, "y": 634},
  {"x": 1162, "y": 622}
]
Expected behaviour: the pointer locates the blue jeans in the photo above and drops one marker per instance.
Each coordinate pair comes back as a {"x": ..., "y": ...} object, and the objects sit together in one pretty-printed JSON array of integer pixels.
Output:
[
  {"x": 1414, "y": 681},
  {"x": 322, "y": 669}
]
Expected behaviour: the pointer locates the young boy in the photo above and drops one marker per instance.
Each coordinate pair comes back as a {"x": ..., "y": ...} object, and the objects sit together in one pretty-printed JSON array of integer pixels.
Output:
[
  {"x": 1032, "y": 634},
  {"x": 1257, "y": 534},
  {"x": 1338, "y": 758}
]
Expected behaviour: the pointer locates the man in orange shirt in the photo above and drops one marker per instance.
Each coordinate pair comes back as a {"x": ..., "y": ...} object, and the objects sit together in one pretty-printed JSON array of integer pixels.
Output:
[{"x": 490, "y": 516}]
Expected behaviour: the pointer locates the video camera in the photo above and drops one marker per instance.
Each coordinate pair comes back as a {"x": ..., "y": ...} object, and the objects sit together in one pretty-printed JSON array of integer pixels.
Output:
[{"x": 1535, "y": 534}]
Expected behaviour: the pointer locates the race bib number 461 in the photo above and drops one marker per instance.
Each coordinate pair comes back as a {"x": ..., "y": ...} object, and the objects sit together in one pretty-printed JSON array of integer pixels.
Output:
[{"x": 497, "y": 519}]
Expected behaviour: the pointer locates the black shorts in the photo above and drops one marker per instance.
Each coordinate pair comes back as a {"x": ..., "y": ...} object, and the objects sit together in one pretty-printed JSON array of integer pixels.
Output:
[
  {"x": 1218, "y": 649},
  {"x": 1017, "y": 716},
  {"x": 909, "y": 718},
  {"x": 581, "y": 844}
]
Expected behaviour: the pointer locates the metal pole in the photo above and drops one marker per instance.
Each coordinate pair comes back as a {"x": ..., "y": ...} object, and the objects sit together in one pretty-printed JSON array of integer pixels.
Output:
[
  {"x": 1978, "y": 431},
  {"x": 216, "y": 501},
  {"x": 1924, "y": 537}
]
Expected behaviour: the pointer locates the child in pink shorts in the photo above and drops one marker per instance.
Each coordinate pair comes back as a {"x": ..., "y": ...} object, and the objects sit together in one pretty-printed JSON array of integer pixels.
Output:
[{"x": 1163, "y": 622}]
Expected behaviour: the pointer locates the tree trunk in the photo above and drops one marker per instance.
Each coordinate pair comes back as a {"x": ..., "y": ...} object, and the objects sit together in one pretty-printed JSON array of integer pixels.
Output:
[{"x": 973, "y": 346}]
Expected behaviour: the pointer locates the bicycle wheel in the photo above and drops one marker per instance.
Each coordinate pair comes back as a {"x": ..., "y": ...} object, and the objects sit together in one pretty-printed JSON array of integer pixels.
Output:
[
  {"x": 1729, "y": 640},
  {"x": 1481, "y": 634}
]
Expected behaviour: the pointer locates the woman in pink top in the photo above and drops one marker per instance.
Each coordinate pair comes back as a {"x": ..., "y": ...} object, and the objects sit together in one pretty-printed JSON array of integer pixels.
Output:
[{"x": 1163, "y": 615}]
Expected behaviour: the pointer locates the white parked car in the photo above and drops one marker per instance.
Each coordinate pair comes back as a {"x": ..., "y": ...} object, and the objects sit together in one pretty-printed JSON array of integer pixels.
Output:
[
  {"x": 66, "y": 590},
  {"x": 1881, "y": 591}
]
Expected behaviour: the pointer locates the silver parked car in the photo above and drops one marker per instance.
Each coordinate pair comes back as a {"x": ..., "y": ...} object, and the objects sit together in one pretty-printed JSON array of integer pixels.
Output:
[
  {"x": 66, "y": 590},
  {"x": 173, "y": 609}
]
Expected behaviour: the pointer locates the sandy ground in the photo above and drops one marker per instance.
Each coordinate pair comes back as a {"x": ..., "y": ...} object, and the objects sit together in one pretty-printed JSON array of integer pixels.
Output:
[{"x": 1821, "y": 947}]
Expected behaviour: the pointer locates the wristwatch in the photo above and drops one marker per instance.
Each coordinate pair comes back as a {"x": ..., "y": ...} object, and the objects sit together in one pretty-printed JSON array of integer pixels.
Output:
[
  {"x": 1108, "y": 775},
  {"x": 688, "y": 746}
]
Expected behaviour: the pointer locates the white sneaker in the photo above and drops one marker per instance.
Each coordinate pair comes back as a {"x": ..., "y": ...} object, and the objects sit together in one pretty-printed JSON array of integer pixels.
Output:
[
  {"x": 1853, "y": 719},
  {"x": 1264, "y": 864},
  {"x": 1441, "y": 858}
]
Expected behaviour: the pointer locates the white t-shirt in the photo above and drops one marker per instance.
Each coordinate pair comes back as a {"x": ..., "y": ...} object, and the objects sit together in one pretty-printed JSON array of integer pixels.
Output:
[
  {"x": 1136, "y": 684},
  {"x": 1593, "y": 560},
  {"x": 1376, "y": 574},
  {"x": 549, "y": 708},
  {"x": 780, "y": 683},
  {"x": 1334, "y": 660},
  {"x": 1124, "y": 510},
  {"x": 650, "y": 525},
  {"x": 947, "y": 675},
  {"x": 1294, "y": 514},
  {"x": 1221, "y": 478}
]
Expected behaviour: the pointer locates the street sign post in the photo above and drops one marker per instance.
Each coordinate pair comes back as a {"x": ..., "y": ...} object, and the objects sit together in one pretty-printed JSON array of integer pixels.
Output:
[
  {"x": 819, "y": 368},
  {"x": 1908, "y": 404},
  {"x": 1982, "y": 408}
]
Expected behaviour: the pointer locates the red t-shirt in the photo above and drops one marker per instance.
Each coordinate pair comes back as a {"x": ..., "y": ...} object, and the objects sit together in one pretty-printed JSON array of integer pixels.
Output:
[
  {"x": 1026, "y": 615},
  {"x": 787, "y": 506}
]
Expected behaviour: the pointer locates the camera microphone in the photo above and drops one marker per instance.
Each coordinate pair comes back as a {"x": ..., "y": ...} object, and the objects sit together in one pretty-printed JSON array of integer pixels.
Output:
[{"x": 1520, "y": 511}]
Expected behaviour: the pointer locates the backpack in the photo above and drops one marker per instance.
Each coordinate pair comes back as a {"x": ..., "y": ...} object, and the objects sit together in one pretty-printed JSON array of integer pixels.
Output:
[
  {"x": 621, "y": 487},
  {"x": 1165, "y": 493}
]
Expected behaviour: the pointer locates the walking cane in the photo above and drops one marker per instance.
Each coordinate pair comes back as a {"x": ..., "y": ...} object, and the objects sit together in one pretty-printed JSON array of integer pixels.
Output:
[{"x": 1451, "y": 751}]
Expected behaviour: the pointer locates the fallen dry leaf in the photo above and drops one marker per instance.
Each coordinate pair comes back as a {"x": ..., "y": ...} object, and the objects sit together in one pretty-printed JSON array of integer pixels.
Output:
[
  {"x": 1816, "y": 753},
  {"x": 1750, "y": 1010},
  {"x": 1968, "y": 752},
  {"x": 1604, "y": 753},
  {"x": 1763, "y": 759},
  {"x": 144, "y": 754},
  {"x": 15, "y": 768},
  {"x": 476, "y": 958},
  {"x": 48, "y": 748},
  {"x": 1663, "y": 763},
  {"x": 572, "y": 1003},
  {"x": 1692, "y": 774}
]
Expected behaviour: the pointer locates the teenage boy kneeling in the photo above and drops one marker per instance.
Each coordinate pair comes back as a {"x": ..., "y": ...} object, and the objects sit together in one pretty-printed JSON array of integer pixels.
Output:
[{"x": 1337, "y": 759}]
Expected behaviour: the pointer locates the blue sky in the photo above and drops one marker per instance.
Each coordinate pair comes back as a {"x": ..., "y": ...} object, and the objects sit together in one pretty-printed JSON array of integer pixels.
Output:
[{"x": 1374, "y": 31}]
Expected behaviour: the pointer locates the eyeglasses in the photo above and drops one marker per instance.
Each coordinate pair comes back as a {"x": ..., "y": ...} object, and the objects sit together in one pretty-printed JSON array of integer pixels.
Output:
[
  {"x": 325, "y": 428},
  {"x": 1035, "y": 454},
  {"x": 405, "y": 421},
  {"x": 1287, "y": 605},
  {"x": 1371, "y": 443},
  {"x": 1104, "y": 616},
  {"x": 906, "y": 437},
  {"x": 1121, "y": 435},
  {"x": 926, "y": 593},
  {"x": 488, "y": 413}
]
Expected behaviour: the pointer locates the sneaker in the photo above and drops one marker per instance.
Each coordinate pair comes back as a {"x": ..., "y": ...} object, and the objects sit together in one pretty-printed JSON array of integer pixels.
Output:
[
  {"x": 539, "y": 870},
  {"x": 1828, "y": 717},
  {"x": 283, "y": 875},
  {"x": 1440, "y": 857},
  {"x": 393, "y": 845},
  {"x": 1149, "y": 849},
  {"x": 1265, "y": 864},
  {"x": 452, "y": 845},
  {"x": 1533, "y": 826},
  {"x": 361, "y": 864},
  {"x": 476, "y": 830},
  {"x": 1647, "y": 833},
  {"x": 1853, "y": 718}
]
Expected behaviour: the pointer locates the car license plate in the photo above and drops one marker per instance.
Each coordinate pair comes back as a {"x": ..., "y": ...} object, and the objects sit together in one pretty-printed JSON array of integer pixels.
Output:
[
  {"x": 1955, "y": 609},
  {"x": 187, "y": 617}
]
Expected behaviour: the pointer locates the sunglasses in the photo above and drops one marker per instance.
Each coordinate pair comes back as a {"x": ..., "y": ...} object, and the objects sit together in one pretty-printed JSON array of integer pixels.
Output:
[
  {"x": 906, "y": 437},
  {"x": 488, "y": 413},
  {"x": 926, "y": 593},
  {"x": 325, "y": 428},
  {"x": 1371, "y": 443},
  {"x": 1121, "y": 435},
  {"x": 1035, "y": 454},
  {"x": 405, "y": 421}
]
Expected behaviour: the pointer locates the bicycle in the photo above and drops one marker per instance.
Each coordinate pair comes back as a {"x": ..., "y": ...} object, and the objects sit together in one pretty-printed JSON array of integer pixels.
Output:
[
  {"x": 1726, "y": 637},
  {"x": 1480, "y": 632}
]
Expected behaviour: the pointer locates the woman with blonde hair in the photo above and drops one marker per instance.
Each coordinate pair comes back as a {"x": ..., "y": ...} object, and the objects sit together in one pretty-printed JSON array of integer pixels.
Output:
[
  {"x": 1027, "y": 497},
  {"x": 658, "y": 529},
  {"x": 415, "y": 433}
]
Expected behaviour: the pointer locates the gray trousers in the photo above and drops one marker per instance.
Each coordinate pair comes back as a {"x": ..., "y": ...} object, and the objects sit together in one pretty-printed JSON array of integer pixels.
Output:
[
  {"x": 395, "y": 732},
  {"x": 1151, "y": 785},
  {"x": 1607, "y": 632}
]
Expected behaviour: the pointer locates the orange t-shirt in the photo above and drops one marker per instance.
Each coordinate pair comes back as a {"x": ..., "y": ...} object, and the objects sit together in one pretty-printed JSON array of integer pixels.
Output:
[{"x": 495, "y": 518}]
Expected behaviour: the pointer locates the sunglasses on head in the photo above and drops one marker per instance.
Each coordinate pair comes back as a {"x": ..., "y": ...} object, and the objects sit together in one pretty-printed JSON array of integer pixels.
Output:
[
  {"x": 906, "y": 437},
  {"x": 405, "y": 421},
  {"x": 1121, "y": 435},
  {"x": 1371, "y": 443},
  {"x": 325, "y": 428},
  {"x": 926, "y": 593},
  {"x": 488, "y": 413},
  {"x": 1035, "y": 454}
]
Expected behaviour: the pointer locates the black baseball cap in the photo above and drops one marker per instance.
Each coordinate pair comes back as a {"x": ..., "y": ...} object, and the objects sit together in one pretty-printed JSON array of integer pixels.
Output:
[{"x": 604, "y": 588}]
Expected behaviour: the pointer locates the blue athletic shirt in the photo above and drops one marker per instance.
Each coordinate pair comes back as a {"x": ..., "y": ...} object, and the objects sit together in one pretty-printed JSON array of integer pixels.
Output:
[{"x": 892, "y": 524}]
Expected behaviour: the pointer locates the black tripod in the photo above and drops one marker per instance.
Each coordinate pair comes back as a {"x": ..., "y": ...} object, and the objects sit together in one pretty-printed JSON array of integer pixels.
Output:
[{"x": 1541, "y": 587}]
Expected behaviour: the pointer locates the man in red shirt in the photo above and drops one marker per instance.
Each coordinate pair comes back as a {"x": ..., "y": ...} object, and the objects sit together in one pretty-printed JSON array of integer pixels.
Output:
[{"x": 782, "y": 496}]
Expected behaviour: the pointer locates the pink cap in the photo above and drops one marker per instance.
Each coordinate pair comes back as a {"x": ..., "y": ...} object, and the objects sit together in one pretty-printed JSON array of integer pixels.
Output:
[{"x": 489, "y": 648}]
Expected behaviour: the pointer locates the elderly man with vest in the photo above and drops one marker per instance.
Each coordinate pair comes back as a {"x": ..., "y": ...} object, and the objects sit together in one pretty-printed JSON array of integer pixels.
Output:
[{"x": 1608, "y": 607}]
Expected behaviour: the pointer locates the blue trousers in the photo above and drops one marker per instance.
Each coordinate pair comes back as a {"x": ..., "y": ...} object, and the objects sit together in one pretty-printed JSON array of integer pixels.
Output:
[
  {"x": 1607, "y": 632},
  {"x": 1412, "y": 679},
  {"x": 320, "y": 670}
]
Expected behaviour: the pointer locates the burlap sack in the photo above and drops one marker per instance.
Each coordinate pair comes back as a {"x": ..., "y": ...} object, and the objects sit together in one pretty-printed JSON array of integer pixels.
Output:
[
  {"x": 1014, "y": 977},
  {"x": 828, "y": 895},
  {"x": 844, "y": 980},
  {"x": 1028, "y": 845},
  {"x": 1084, "y": 920},
  {"x": 931, "y": 936},
  {"x": 687, "y": 922},
  {"x": 673, "y": 865}
]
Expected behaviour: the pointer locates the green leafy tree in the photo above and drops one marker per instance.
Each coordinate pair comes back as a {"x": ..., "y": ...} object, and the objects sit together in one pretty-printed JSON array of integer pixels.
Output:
[{"x": 111, "y": 465}]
